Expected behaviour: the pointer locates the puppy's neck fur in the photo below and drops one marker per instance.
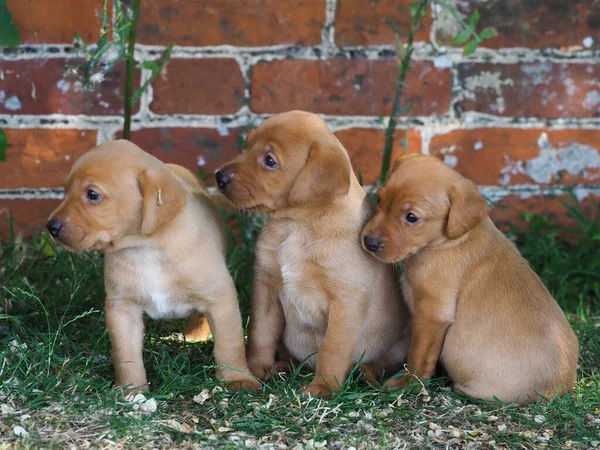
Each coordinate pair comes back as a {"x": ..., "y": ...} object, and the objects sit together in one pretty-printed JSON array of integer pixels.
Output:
[{"x": 349, "y": 211}]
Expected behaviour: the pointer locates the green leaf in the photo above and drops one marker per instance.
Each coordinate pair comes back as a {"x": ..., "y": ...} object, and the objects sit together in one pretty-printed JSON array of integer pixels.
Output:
[
  {"x": 474, "y": 20},
  {"x": 418, "y": 10},
  {"x": 46, "y": 246},
  {"x": 470, "y": 48},
  {"x": 462, "y": 37},
  {"x": 487, "y": 33},
  {"x": 400, "y": 51},
  {"x": 156, "y": 67},
  {"x": 9, "y": 33},
  {"x": 3, "y": 145}
]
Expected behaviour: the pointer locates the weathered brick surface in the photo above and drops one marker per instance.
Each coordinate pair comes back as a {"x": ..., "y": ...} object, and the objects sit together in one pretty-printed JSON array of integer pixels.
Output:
[
  {"x": 234, "y": 22},
  {"x": 198, "y": 149},
  {"x": 346, "y": 87},
  {"x": 532, "y": 23},
  {"x": 538, "y": 89},
  {"x": 365, "y": 147},
  {"x": 29, "y": 217},
  {"x": 43, "y": 157},
  {"x": 510, "y": 211},
  {"x": 505, "y": 156},
  {"x": 41, "y": 86},
  {"x": 199, "y": 86},
  {"x": 374, "y": 22},
  {"x": 56, "y": 21}
]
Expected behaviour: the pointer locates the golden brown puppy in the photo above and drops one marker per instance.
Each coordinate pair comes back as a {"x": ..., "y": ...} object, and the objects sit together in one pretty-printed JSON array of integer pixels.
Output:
[
  {"x": 315, "y": 290},
  {"x": 165, "y": 254},
  {"x": 476, "y": 303}
]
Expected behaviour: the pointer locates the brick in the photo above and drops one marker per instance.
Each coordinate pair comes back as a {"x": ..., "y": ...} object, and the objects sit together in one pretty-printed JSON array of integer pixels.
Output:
[
  {"x": 373, "y": 22},
  {"x": 245, "y": 23},
  {"x": 365, "y": 147},
  {"x": 29, "y": 217},
  {"x": 42, "y": 86},
  {"x": 199, "y": 86},
  {"x": 533, "y": 24},
  {"x": 198, "y": 149},
  {"x": 539, "y": 89},
  {"x": 346, "y": 87},
  {"x": 509, "y": 156},
  {"x": 57, "y": 21},
  {"x": 42, "y": 158},
  {"x": 510, "y": 211}
]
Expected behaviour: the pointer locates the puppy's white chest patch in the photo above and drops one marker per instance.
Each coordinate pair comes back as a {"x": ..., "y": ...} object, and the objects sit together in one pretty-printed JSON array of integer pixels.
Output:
[
  {"x": 302, "y": 299},
  {"x": 154, "y": 289}
]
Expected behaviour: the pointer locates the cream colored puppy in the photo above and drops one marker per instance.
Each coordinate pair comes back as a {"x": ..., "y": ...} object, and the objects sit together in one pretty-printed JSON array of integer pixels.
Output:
[
  {"x": 165, "y": 254},
  {"x": 317, "y": 295}
]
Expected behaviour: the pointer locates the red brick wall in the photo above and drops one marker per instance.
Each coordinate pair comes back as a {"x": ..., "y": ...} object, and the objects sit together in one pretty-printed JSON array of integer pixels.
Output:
[{"x": 521, "y": 116}]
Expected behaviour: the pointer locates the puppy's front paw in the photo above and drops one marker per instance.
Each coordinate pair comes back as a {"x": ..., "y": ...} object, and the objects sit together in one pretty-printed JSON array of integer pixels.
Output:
[
  {"x": 399, "y": 383},
  {"x": 260, "y": 370},
  {"x": 316, "y": 389},
  {"x": 246, "y": 384},
  {"x": 368, "y": 373}
]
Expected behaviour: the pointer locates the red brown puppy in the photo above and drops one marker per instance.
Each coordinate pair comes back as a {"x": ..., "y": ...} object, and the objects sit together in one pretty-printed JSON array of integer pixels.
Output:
[
  {"x": 165, "y": 254},
  {"x": 315, "y": 290},
  {"x": 477, "y": 305}
]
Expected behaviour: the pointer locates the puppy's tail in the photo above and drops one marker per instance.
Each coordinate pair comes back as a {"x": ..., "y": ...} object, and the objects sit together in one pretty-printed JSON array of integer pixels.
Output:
[{"x": 188, "y": 179}]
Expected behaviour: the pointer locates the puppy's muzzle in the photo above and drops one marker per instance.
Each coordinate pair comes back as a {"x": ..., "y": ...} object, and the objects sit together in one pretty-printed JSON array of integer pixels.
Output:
[
  {"x": 54, "y": 226},
  {"x": 372, "y": 244},
  {"x": 223, "y": 178}
]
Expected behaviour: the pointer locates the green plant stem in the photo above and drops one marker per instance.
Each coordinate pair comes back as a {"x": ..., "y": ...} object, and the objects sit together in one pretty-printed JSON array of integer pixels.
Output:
[
  {"x": 400, "y": 85},
  {"x": 130, "y": 69}
]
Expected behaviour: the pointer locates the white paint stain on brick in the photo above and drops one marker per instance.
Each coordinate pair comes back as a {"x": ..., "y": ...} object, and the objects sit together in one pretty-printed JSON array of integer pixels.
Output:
[
  {"x": 592, "y": 99},
  {"x": 201, "y": 161},
  {"x": 478, "y": 146},
  {"x": 487, "y": 81},
  {"x": 451, "y": 160},
  {"x": 442, "y": 62},
  {"x": 13, "y": 103},
  {"x": 588, "y": 42},
  {"x": 223, "y": 130},
  {"x": 574, "y": 158},
  {"x": 449, "y": 149},
  {"x": 537, "y": 73},
  {"x": 570, "y": 84},
  {"x": 63, "y": 86}
]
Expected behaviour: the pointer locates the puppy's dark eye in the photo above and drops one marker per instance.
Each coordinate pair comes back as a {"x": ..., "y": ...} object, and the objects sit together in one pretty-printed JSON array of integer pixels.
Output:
[
  {"x": 411, "y": 218},
  {"x": 93, "y": 196},
  {"x": 270, "y": 162}
]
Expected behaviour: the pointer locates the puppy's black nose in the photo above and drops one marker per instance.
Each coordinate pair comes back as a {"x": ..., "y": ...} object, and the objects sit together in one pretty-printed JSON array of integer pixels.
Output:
[
  {"x": 54, "y": 226},
  {"x": 372, "y": 244},
  {"x": 223, "y": 179}
]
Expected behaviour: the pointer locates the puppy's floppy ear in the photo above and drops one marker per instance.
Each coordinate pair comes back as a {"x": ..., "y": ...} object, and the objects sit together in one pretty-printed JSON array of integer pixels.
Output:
[
  {"x": 325, "y": 176},
  {"x": 399, "y": 162},
  {"x": 467, "y": 208},
  {"x": 163, "y": 198}
]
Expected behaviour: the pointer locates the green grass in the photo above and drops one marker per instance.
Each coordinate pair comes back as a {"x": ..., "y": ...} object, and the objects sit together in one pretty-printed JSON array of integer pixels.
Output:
[{"x": 56, "y": 374}]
